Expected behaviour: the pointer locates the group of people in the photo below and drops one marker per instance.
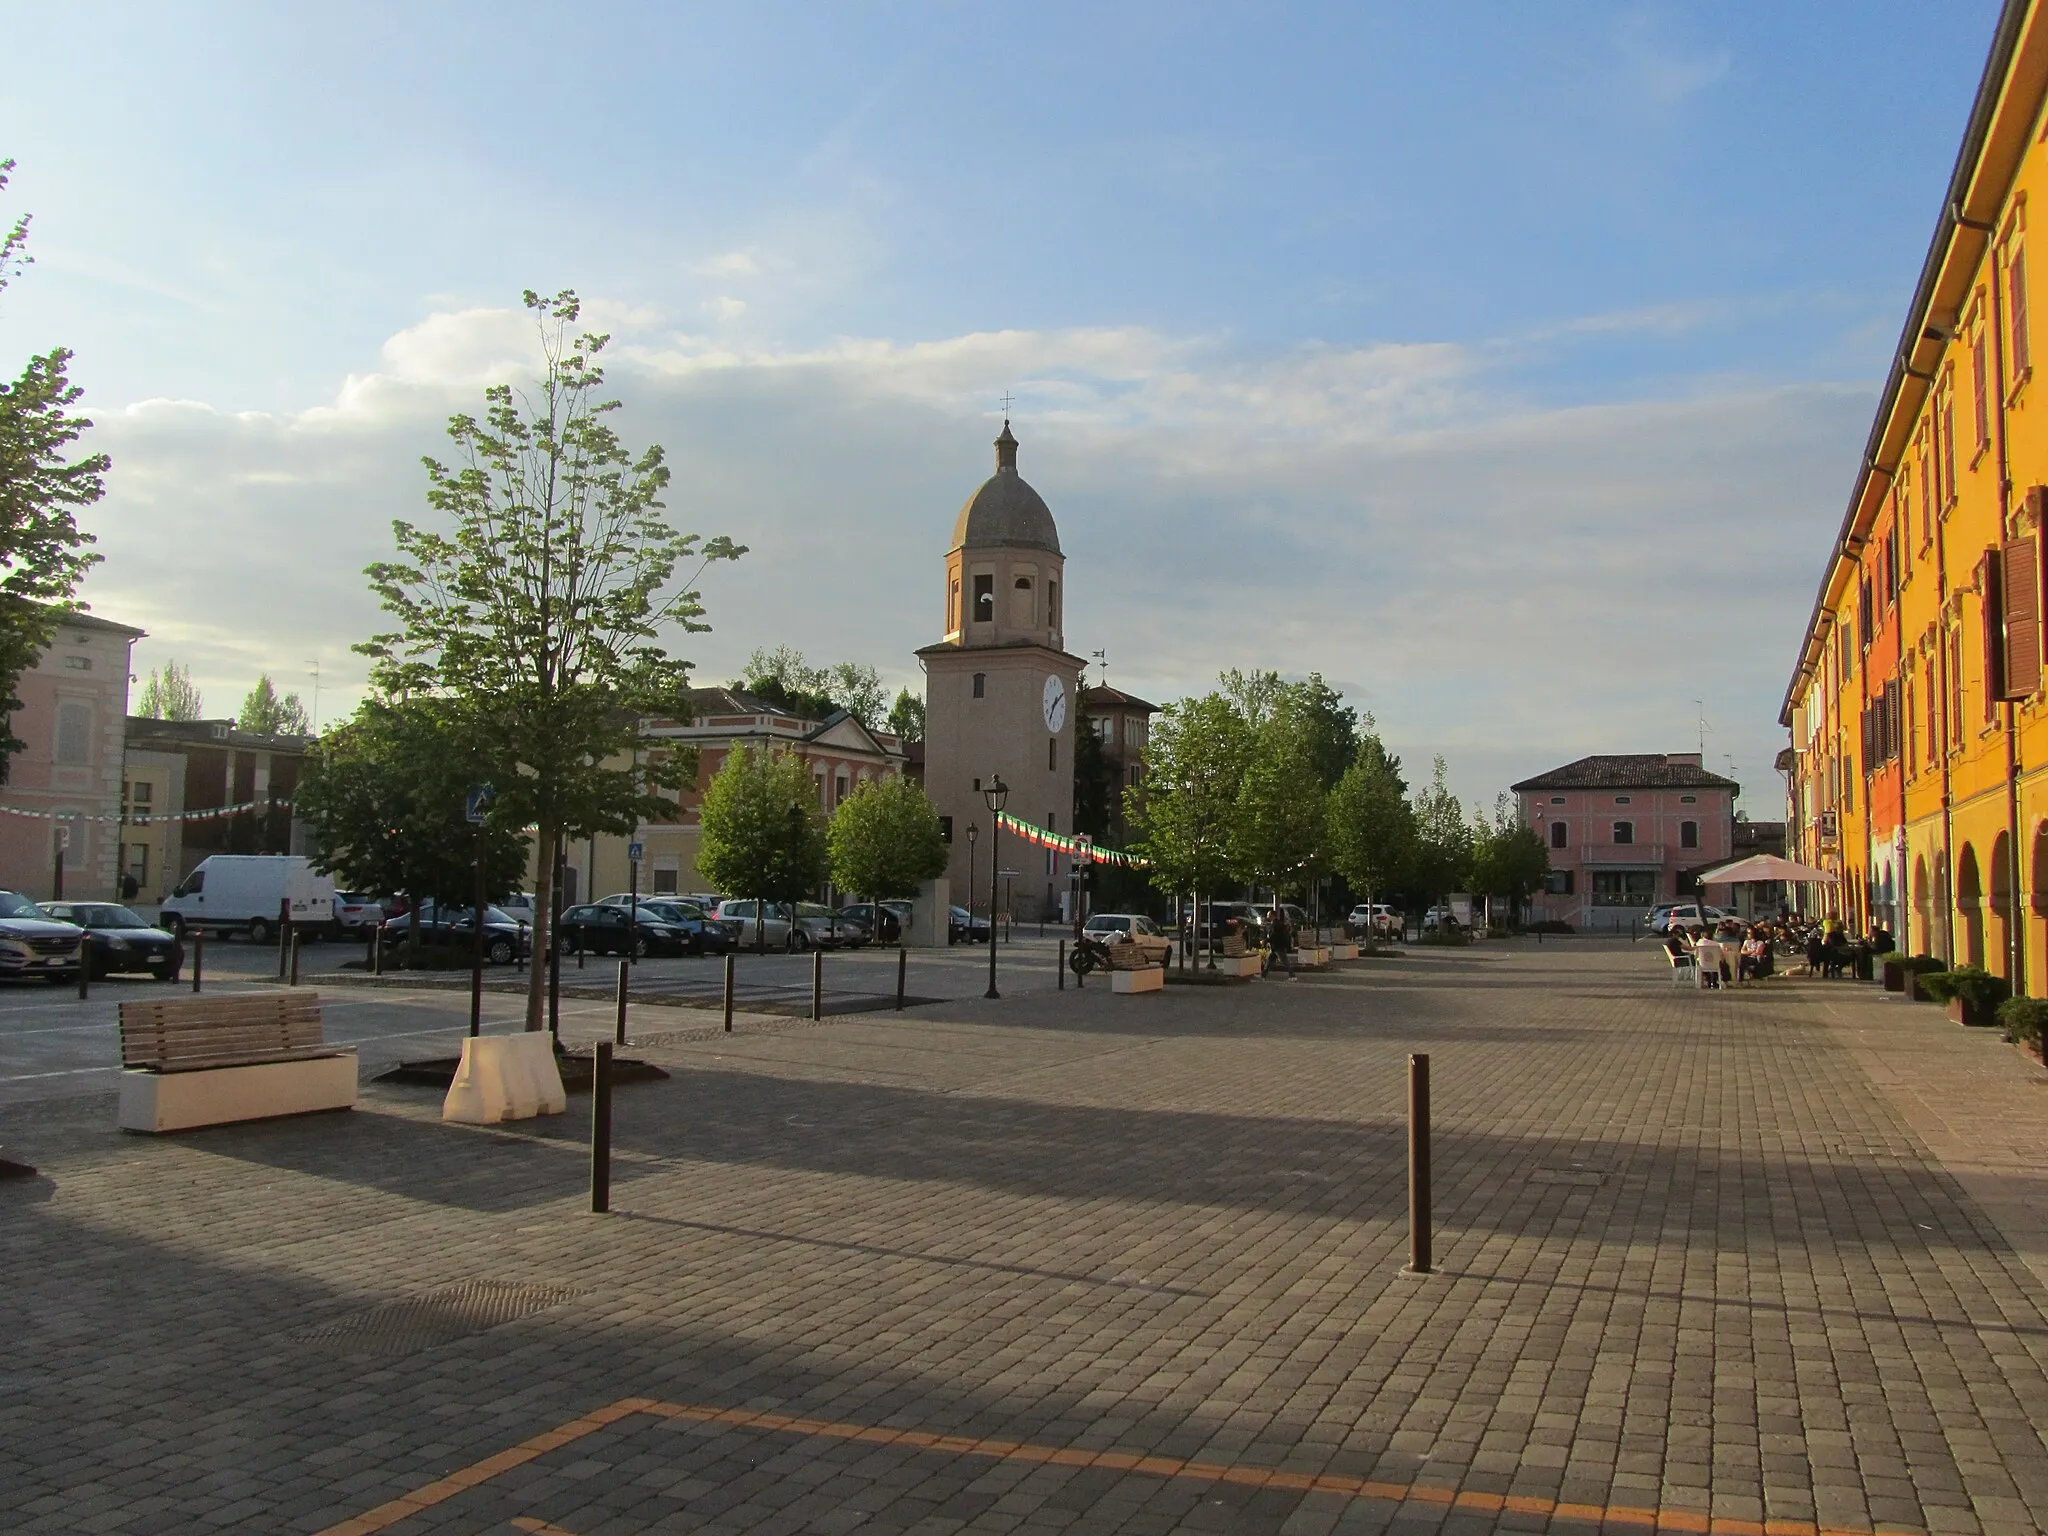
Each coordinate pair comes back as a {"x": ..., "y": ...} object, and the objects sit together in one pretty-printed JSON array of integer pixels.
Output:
[{"x": 1740, "y": 953}]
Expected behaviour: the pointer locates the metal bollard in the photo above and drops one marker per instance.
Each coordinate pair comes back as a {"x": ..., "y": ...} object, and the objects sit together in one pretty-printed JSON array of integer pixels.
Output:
[
  {"x": 377, "y": 950},
  {"x": 728, "y": 992},
  {"x": 579, "y": 949},
  {"x": 519, "y": 952},
  {"x": 1063, "y": 965},
  {"x": 284, "y": 936},
  {"x": 601, "y": 1126},
  {"x": 295, "y": 960},
  {"x": 1418, "y": 1166},
  {"x": 84, "y": 970},
  {"x": 817, "y": 984},
  {"x": 198, "y": 955},
  {"x": 619, "y": 1033},
  {"x": 902, "y": 962}
]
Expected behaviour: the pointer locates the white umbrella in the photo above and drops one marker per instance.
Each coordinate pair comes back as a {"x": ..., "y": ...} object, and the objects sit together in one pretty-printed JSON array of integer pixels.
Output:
[{"x": 1766, "y": 866}]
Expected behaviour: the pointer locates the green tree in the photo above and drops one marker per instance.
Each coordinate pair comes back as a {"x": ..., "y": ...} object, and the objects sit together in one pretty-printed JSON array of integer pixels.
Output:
[
  {"x": 1508, "y": 859},
  {"x": 1443, "y": 840},
  {"x": 1371, "y": 827},
  {"x": 885, "y": 841},
  {"x": 763, "y": 836},
  {"x": 906, "y": 716},
  {"x": 170, "y": 695},
  {"x": 267, "y": 713},
  {"x": 538, "y": 613},
  {"x": 857, "y": 688},
  {"x": 1185, "y": 811},
  {"x": 382, "y": 797},
  {"x": 783, "y": 676},
  {"x": 1277, "y": 833},
  {"x": 1095, "y": 782},
  {"x": 42, "y": 488}
]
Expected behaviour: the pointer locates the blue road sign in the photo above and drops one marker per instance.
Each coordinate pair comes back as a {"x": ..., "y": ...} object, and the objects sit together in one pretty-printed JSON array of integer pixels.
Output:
[
  {"x": 635, "y": 852},
  {"x": 477, "y": 799}
]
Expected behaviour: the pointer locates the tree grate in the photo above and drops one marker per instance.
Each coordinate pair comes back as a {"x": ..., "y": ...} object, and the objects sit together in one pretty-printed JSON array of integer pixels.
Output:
[{"x": 433, "y": 1318}]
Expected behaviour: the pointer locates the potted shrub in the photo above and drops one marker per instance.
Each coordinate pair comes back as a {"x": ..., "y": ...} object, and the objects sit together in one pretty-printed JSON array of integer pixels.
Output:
[
  {"x": 2026, "y": 1024},
  {"x": 1892, "y": 968},
  {"x": 1910, "y": 968},
  {"x": 1972, "y": 994}
]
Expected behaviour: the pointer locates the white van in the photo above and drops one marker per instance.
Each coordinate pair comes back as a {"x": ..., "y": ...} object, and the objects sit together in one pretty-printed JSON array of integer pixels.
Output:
[{"x": 248, "y": 891}]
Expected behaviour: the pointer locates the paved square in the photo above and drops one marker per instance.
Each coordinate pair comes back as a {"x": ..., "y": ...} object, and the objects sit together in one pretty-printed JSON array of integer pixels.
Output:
[{"x": 1740, "y": 1262}]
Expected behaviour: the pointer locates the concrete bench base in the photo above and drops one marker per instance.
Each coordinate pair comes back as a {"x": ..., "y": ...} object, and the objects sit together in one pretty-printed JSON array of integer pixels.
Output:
[
  {"x": 1315, "y": 955},
  {"x": 183, "y": 1101},
  {"x": 1343, "y": 951},
  {"x": 1229, "y": 965},
  {"x": 1150, "y": 979}
]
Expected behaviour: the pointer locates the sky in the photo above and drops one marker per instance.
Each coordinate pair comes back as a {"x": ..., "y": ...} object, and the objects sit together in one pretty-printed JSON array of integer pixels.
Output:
[{"x": 1507, "y": 365}]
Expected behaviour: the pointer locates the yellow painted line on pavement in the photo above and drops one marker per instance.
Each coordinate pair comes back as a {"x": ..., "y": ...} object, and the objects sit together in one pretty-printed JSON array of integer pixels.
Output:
[{"x": 1611, "y": 1516}]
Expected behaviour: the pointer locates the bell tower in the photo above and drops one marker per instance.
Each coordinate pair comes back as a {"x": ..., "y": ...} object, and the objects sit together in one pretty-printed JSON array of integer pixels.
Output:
[{"x": 1000, "y": 689}]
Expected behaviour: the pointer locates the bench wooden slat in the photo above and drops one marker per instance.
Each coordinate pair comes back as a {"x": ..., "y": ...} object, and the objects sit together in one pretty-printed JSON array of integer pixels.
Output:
[{"x": 187, "y": 1034}]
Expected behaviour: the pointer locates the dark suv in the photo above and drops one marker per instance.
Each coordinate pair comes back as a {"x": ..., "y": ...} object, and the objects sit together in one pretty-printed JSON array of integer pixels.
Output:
[{"x": 34, "y": 944}]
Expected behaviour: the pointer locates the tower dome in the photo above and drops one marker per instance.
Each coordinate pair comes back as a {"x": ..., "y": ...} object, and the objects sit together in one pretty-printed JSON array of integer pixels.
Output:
[{"x": 1005, "y": 513}]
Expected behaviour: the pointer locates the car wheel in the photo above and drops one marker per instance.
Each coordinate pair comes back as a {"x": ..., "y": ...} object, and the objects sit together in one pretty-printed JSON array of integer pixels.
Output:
[
  {"x": 799, "y": 941},
  {"x": 174, "y": 925},
  {"x": 164, "y": 973},
  {"x": 641, "y": 949},
  {"x": 499, "y": 952},
  {"x": 260, "y": 932}
]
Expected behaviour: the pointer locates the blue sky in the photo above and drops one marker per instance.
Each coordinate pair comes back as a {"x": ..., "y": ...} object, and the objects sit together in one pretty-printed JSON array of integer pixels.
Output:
[{"x": 1507, "y": 364}]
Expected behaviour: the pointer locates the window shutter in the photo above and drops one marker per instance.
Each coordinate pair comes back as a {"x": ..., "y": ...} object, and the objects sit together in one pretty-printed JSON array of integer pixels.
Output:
[
  {"x": 2022, "y": 595},
  {"x": 2016, "y": 291},
  {"x": 1992, "y": 583},
  {"x": 1981, "y": 392}
]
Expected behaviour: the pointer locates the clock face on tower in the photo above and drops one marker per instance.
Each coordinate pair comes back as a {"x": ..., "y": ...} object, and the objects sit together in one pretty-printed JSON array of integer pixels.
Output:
[{"x": 1055, "y": 704}]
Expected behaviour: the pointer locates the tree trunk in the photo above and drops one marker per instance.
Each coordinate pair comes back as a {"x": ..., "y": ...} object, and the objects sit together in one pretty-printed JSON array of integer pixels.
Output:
[{"x": 543, "y": 930}]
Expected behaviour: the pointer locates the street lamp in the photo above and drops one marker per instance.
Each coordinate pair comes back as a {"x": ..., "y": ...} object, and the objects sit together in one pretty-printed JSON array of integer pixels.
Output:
[{"x": 997, "y": 795}]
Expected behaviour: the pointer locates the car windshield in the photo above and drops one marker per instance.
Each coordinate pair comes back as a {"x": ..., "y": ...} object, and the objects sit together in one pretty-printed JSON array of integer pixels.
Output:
[
  {"x": 14, "y": 905},
  {"x": 106, "y": 917}
]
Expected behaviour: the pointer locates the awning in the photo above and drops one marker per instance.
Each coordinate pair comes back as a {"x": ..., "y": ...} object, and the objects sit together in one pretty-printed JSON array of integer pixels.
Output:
[{"x": 1765, "y": 866}]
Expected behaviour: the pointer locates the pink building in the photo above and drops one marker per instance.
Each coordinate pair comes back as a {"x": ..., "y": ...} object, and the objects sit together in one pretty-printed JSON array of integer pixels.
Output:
[
  {"x": 1627, "y": 832},
  {"x": 64, "y": 786}
]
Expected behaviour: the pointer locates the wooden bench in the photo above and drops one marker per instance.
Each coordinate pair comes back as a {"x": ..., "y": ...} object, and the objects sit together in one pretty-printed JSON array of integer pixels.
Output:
[
  {"x": 1138, "y": 954},
  {"x": 216, "y": 1060}
]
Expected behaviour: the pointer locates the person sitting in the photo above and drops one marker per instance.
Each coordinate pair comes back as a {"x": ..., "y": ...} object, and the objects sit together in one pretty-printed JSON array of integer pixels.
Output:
[
  {"x": 1834, "y": 952},
  {"x": 1755, "y": 959},
  {"x": 1816, "y": 950},
  {"x": 1707, "y": 954}
]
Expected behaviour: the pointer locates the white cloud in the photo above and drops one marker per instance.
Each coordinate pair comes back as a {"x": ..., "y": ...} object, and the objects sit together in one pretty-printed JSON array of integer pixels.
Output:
[{"x": 1511, "y": 585}]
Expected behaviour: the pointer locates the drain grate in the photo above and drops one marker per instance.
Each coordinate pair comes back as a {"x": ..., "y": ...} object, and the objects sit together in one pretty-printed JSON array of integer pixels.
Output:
[{"x": 433, "y": 1318}]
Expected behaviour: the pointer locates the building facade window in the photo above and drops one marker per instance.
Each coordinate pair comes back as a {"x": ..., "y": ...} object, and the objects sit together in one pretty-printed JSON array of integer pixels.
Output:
[
  {"x": 984, "y": 599},
  {"x": 74, "y": 733},
  {"x": 1624, "y": 832},
  {"x": 1624, "y": 887},
  {"x": 2016, "y": 309},
  {"x": 1052, "y": 754},
  {"x": 1688, "y": 834},
  {"x": 1557, "y": 834},
  {"x": 980, "y": 684}
]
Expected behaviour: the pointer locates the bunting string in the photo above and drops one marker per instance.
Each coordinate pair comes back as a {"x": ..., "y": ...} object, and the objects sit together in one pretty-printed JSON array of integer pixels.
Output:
[
  {"x": 1075, "y": 847},
  {"x": 148, "y": 818}
]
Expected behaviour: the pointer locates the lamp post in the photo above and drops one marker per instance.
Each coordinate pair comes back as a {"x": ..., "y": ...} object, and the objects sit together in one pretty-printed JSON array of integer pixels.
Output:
[
  {"x": 997, "y": 795},
  {"x": 973, "y": 832}
]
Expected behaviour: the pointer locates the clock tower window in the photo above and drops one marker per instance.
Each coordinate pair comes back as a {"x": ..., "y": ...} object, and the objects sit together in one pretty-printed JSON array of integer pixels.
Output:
[
  {"x": 980, "y": 684},
  {"x": 1052, "y": 754},
  {"x": 984, "y": 599}
]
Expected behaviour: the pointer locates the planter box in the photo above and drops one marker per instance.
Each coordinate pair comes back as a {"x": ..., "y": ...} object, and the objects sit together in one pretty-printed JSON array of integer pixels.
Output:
[
  {"x": 1959, "y": 1009},
  {"x": 1894, "y": 976},
  {"x": 1343, "y": 951},
  {"x": 1231, "y": 965},
  {"x": 182, "y": 1101},
  {"x": 1315, "y": 958},
  {"x": 1151, "y": 979}
]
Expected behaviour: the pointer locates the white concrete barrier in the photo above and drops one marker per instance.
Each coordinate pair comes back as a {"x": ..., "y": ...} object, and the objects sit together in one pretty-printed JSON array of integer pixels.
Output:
[
  {"x": 1150, "y": 979},
  {"x": 1343, "y": 951},
  {"x": 505, "y": 1077},
  {"x": 182, "y": 1101}
]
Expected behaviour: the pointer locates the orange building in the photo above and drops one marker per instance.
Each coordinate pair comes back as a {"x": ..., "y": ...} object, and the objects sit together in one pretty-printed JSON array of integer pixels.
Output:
[{"x": 1918, "y": 768}]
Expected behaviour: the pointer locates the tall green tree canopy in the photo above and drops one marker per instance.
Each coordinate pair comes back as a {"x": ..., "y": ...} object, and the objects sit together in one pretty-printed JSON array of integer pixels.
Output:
[
  {"x": 170, "y": 695},
  {"x": 43, "y": 552},
  {"x": 906, "y": 716},
  {"x": 885, "y": 840},
  {"x": 1443, "y": 839},
  {"x": 782, "y": 676},
  {"x": 383, "y": 796},
  {"x": 537, "y": 608},
  {"x": 265, "y": 711},
  {"x": 1185, "y": 812},
  {"x": 1508, "y": 859},
  {"x": 1095, "y": 781},
  {"x": 1277, "y": 832},
  {"x": 762, "y": 834},
  {"x": 1371, "y": 828}
]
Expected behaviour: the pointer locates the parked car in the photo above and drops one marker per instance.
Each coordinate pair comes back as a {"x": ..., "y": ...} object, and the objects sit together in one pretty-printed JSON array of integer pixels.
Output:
[
  {"x": 116, "y": 939},
  {"x": 963, "y": 926},
  {"x": 895, "y": 914},
  {"x": 654, "y": 930},
  {"x": 712, "y": 936},
  {"x": 821, "y": 927},
  {"x": 518, "y": 906},
  {"x": 355, "y": 914},
  {"x": 1689, "y": 915},
  {"x": 756, "y": 924},
  {"x": 248, "y": 892},
  {"x": 1373, "y": 920},
  {"x": 1218, "y": 920},
  {"x": 504, "y": 936},
  {"x": 32, "y": 943}
]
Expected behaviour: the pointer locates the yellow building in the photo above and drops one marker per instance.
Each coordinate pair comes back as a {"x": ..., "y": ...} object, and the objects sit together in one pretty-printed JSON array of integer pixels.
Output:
[{"x": 1919, "y": 762}]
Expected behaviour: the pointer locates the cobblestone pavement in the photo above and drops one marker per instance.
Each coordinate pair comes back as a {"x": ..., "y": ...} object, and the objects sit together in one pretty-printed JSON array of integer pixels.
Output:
[{"x": 1071, "y": 1261}]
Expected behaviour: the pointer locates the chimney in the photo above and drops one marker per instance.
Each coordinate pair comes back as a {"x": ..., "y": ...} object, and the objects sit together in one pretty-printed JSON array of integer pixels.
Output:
[{"x": 1683, "y": 760}]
